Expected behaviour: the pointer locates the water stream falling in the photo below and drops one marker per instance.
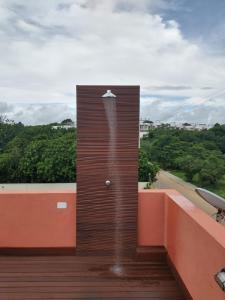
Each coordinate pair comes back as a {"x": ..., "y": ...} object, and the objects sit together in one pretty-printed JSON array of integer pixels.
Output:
[{"x": 114, "y": 177}]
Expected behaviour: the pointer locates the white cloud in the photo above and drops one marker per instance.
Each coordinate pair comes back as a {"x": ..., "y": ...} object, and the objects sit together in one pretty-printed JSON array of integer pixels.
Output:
[
  {"x": 6, "y": 108},
  {"x": 36, "y": 114},
  {"x": 47, "y": 47}
]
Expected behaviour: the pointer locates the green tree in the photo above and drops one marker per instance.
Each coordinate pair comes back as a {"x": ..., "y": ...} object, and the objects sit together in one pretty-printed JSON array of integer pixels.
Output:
[
  {"x": 212, "y": 171},
  {"x": 147, "y": 170},
  {"x": 199, "y": 155},
  {"x": 49, "y": 161},
  {"x": 190, "y": 165}
]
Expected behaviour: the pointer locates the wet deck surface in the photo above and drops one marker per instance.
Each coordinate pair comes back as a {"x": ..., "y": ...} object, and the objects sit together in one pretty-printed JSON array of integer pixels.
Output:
[{"x": 76, "y": 277}]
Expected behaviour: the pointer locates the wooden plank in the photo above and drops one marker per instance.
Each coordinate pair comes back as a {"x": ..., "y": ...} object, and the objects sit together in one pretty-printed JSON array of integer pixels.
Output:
[
  {"x": 179, "y": 280},
  {"x": 97, "y": 213},
  {"x": 76, "y": 277}
]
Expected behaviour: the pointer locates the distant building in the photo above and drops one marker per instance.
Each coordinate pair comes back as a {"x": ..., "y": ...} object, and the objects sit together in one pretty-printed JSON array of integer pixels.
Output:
[
  {"x": 144, "y": 127},
  {"x": 195, "y": 126},
  {"x": 202, "y": 126},
  {"x": 67, "y": 124}
]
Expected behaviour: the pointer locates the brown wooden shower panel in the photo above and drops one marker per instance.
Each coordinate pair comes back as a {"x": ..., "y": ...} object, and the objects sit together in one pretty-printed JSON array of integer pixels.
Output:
[{"x": 96, "y": 203}]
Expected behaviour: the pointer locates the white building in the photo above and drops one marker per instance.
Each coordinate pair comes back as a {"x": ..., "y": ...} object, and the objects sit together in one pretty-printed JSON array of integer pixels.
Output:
[{"x": 66, "y": 126}]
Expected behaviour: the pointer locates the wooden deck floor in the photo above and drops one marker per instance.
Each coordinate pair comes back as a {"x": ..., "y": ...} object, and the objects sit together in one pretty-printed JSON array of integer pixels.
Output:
[{"x": 76, "y": 277}]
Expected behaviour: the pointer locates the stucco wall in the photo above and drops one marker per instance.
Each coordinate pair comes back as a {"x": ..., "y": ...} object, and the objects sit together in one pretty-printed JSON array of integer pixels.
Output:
[
  {"x": 194, "y": 241},
  {"x": 33, "y": 220}
]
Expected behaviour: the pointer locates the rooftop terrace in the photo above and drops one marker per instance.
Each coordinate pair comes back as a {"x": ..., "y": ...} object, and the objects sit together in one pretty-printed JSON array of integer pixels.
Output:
[
  {"x": 107, "y": 240},
  {"x": 179, "y": 251}
]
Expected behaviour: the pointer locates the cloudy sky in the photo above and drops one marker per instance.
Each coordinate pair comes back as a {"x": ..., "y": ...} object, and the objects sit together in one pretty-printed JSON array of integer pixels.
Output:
[{"x": 173, "y": 49}]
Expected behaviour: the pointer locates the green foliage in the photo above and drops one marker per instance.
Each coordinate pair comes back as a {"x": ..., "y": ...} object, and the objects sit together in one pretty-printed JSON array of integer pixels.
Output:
[
  {"x": 66, "y": 121},
  {"x": 147, "y": 170},
  {"x": 42, "y": 154},
  {"x": 36, "y": 154},
  {"x": 49, "y": 160},
  {"x": 198, "y": 155},
  {"x": 211, "y": 171}
]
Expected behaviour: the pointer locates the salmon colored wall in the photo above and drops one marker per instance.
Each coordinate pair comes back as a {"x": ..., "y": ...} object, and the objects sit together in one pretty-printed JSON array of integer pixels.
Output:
[
  {"x": 33, "y": 220},
  {"x": 196, "y": 246},
  {"x": 195, "y": 242},
  {"x": 151, "y": 215}
]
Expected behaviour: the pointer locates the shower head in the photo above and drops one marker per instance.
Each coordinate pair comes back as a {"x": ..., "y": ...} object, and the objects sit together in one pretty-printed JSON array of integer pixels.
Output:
[{"x": 108, "y": 94}]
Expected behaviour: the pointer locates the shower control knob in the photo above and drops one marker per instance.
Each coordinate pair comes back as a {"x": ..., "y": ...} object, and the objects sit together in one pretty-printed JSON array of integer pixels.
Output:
[{"x": 108, "y": 182}]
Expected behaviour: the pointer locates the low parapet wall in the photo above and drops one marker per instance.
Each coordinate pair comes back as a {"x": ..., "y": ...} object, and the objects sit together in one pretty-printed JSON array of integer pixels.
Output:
[
  {"x": 37, "y": 220},
  {"x": 195, "y": 243}
]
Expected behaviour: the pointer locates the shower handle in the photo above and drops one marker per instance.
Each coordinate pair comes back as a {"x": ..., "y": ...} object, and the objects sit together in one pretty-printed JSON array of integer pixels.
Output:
[{"x": 107, "y": 182}]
